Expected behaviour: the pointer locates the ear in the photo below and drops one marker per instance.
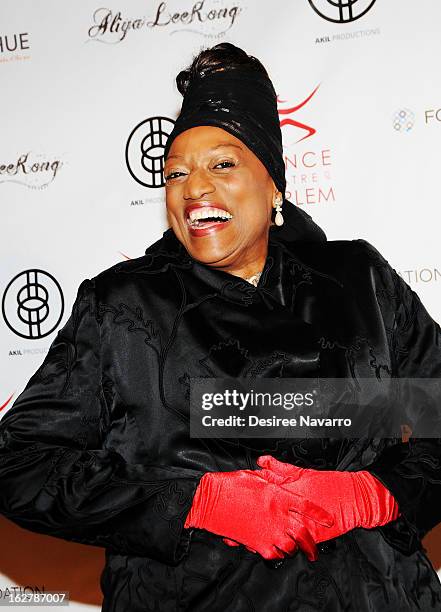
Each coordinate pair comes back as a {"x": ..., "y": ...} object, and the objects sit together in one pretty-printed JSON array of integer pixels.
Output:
[{"x": 275, "y": 195}]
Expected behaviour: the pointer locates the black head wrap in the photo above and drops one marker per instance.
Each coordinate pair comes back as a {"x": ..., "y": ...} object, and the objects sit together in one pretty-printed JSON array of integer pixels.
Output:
[{"x": 243, "y": 102}]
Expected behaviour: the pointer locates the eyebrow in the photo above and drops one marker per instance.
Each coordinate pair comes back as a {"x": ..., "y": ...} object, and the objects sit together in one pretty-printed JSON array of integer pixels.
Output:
[{"x": 221, "y": 144}]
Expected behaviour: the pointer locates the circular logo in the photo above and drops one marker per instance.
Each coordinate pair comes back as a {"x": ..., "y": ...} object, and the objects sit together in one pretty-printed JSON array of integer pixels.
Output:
[
  {"x": 341, "y": 11},
  {"x": 145, "y": 151},
  {"x": 33, "y": 304},
  {"x": 403, "y": 120}
]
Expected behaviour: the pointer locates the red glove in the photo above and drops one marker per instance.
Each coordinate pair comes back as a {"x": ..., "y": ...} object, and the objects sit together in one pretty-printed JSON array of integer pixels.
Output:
[
  {"x": 267, "y": 519},
  {"x": 355, "y": 499}
]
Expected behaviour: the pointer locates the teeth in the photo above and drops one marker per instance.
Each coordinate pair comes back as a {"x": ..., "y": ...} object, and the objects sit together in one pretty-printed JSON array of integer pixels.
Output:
[
  {"x": 204, "y": 213},
  {"x": 196, "y": 216}
]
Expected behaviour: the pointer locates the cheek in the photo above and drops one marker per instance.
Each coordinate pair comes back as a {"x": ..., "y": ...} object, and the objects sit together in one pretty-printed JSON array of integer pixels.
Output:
[
  {"x": 173, "y": 201},
  {"x": 245, "y": 186},
  {"x": 250, "y": 195}
]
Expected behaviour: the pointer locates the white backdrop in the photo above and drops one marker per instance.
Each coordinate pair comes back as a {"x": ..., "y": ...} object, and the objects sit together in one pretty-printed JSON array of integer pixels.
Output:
[{"x": 82, "y": 84}]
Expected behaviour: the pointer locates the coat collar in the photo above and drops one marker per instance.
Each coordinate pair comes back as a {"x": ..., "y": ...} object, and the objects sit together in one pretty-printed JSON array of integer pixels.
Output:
[
  {"x": 282, "y": 273},
  {"x": 290, "y": 295}
]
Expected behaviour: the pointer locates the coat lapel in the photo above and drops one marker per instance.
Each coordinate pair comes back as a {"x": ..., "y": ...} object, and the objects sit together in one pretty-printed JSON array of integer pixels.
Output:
[{"x": 269, "y": 312}]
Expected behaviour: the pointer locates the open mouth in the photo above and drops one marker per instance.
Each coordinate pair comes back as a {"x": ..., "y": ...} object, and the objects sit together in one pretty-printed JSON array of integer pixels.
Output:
[{"x": 206, "y": 217}]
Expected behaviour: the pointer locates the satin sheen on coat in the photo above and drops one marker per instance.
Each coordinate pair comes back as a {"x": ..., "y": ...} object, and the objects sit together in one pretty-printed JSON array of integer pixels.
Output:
[{"x": 96, "y": 449}]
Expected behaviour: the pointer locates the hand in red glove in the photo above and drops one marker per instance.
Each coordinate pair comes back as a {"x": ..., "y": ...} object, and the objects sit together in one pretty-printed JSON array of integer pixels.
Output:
[
  {"x": 354, "y": 499},
  {"x": 244, "y": 506}
]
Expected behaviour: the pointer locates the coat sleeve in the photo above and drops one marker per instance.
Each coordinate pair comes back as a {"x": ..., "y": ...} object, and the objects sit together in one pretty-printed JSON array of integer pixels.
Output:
[
  {"x": 411, "y": 471},
  {"x": 56, "y": 475}
]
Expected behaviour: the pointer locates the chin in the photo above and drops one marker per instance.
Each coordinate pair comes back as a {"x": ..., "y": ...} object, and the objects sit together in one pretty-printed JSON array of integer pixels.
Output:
[
  {"x": 208, "y": 253},
  {"x": 207, "y": 256}
]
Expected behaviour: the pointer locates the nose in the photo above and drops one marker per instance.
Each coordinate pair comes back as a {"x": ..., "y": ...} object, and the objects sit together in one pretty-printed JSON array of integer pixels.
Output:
[{"x": 197, "y": 185}]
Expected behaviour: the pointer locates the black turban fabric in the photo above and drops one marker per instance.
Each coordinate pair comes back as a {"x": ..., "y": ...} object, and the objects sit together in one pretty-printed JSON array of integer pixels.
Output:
[{"x": 243, "y": 102}]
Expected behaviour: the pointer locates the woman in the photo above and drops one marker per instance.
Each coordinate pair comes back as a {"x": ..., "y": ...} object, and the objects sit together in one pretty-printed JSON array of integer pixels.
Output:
[{"x": 97, "y": 447}]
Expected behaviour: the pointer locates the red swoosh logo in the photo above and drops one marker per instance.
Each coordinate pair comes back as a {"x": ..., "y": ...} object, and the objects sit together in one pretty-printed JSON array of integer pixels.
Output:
[
  {"x": 7, "y": 402},
  {"x": 286, "y": 111}
]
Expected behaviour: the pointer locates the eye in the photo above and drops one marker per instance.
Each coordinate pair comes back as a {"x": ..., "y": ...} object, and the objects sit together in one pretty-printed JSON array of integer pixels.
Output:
[
  {"x": 226, "y": 161},
  {"x": 171, "y": 176}
]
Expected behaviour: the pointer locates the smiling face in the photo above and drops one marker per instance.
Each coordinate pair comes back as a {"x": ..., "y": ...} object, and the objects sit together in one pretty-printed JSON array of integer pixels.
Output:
[{"x": 212, "y": 173}]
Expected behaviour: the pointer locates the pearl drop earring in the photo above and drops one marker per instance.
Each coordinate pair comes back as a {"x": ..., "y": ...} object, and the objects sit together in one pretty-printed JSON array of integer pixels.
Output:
[{"x": 279, "y": 217}]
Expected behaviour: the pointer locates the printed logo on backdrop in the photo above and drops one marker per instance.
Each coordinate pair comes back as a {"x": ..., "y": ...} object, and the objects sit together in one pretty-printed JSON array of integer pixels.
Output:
[
  {"x": 12, "y": 45},
  {"x": 432, "y": 115},
  {"x": 421, "y": 275},
  {"x": 209, "y": 18},
  {"x": 33, "y": 304},
  {"x": 32, "y": 170},
  {"x": 310, "y": 131},
  {"x": 341, "y": 11},
  {"x": 403, "y": 120},
  {"x": 8, "y": 400},
  {"x": 308, "y": 169},
  {"x": 145, "y": 151}
]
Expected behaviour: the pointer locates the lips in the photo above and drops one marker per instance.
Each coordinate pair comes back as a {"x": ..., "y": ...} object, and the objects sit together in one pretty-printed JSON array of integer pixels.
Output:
[
  {"x": 205, "y": 217},
  {"x": 210, "y": 227}
]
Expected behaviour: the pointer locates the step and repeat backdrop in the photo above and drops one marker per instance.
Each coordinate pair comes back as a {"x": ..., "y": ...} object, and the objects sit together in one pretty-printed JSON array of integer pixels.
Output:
[{"x": 87, "y": 99}]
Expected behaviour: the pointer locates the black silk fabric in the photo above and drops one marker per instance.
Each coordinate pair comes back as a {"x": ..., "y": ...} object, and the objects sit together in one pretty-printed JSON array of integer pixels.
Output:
[{"x": 96, "y": 449}]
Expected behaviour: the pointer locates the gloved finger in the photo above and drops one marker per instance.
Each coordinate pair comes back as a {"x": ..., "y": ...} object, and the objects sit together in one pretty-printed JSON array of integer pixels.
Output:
[
  {"x": 251, "y": 549},
  {"x": 272, "y": 553},
  {"x": 269, "y": 552},
  {"x": 230, "y": 542},
  {"x": 279, "y": 552},
  {"x": 270, "y": 476},
  {"x": 309, "y": 509},
  {"x": 288, "y": 545},
  {"x": 283, "y": 469},
  {"x": 305, "y": 541}
]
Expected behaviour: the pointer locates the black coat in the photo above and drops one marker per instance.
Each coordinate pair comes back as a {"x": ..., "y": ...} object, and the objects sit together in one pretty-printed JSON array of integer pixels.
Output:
[{"x": 96, "y": 449}]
